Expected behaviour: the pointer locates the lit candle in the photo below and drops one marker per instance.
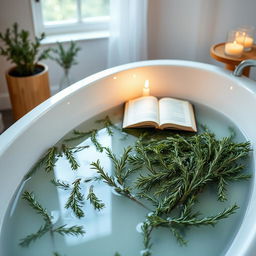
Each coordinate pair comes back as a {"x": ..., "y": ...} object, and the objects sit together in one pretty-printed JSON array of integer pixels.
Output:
[
  {"x": 246, "y": 41},
  {"x": 234, "y": 49},
  {"x": 146, "y": 89}
]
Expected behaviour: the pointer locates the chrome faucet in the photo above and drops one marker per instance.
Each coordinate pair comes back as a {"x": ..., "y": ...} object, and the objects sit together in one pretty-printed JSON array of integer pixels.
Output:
[{"x": 240, "y": 68}]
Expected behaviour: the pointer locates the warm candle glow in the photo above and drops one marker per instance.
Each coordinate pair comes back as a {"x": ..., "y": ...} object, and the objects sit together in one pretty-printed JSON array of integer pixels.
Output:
[
  {"x": 146, "y": 84},
  {"x": 146, "y": 89},
  {"x": 246, "y": 41},
  {"x": 234, "y": 49}
]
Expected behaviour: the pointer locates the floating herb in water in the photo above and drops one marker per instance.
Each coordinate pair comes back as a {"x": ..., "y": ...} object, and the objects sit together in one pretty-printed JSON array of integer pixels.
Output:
[
  {"x": 164, "y": 172},
  {"x": 173, "y": 172},
  {"x": 76, "y": 199},
  {"x": 94, "y": 200},
  {"x": 48, "y": 225}
]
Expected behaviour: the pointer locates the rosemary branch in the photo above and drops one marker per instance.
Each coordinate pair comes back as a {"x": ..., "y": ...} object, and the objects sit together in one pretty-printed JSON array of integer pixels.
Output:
[
  {"x": 78, "y": 135},
  {"x": 108, "y": 125},
  {"x": 30, "y": 198},
  {"x": 73, "y": 230},
  {"x": 48, "y": 161},
  {"x": 51, "y": 158},
  {"x": 48, "y": 225},
  {"x": 76, "y": 199},
  {"x": 96, "y": 143},
  {"x": 60, "y": 184},
  {"x": 68, "y": 152},
  {"x": 170, "y": 172},
  {"x": 146, "y": 230},
  {"x": 25, "y": 242},
  {"x": 111, "y": 182},
  {"x": 94, "y": 200}
]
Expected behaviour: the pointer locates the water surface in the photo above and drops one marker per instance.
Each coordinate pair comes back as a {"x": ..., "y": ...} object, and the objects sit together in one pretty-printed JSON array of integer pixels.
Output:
[{"x": 114, "y": 228}]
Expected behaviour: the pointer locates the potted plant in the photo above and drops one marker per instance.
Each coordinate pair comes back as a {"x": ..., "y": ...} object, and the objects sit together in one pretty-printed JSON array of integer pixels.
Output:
[
  {"x": 66, "y": 58},
  {"x": 27, "y": 81}
]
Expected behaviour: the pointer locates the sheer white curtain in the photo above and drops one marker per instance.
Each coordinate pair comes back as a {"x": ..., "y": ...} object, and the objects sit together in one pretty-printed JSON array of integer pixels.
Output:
[{"x": 128, "y": 31}]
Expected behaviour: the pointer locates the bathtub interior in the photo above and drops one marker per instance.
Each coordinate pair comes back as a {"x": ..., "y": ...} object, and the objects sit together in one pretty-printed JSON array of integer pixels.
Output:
[{"x": 53, "y": 119}]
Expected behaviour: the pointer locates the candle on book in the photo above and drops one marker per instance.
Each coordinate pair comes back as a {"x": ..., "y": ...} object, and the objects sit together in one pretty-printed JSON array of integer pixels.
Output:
[{"x": 146, "y": 89}]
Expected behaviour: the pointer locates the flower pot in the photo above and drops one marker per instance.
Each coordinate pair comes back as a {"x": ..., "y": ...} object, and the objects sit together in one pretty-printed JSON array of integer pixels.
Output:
[{"x": 27, "y": 92}]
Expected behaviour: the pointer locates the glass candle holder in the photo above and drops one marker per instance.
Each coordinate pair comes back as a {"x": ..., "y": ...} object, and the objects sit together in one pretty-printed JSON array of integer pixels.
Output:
[
  {"x": 233, "y": 47},
  {"x": 248, "y": 34}
]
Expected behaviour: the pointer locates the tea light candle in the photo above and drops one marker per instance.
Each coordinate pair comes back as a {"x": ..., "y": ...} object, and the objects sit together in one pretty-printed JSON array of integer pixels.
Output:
[
  {"x": 245, "y": 36},
  {"x": 247, "y": 41},
  {"x": 234, "y": 49},
  {"x": 146, "y": 89}
]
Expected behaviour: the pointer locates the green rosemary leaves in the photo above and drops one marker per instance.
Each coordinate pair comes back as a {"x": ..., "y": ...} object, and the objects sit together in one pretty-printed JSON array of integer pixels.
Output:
[
  {"x": 48, "y": 226},
  {"x": 75, "y": 200},
  {"x": 163, "y": 172}
]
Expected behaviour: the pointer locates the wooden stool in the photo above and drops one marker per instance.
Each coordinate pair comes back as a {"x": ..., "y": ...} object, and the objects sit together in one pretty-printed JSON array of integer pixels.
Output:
[{"x": 217, "y": 53}]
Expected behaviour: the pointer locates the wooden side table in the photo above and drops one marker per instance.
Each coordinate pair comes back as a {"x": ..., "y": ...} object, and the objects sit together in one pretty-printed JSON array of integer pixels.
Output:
[{"x": 217, "y": 53}]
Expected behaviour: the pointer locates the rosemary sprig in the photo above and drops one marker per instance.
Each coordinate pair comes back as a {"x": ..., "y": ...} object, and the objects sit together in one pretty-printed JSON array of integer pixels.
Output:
[
  {"x": 92, "y": 134},
  {"x": 68, "y": 152},
  {"x": 107, "y": 124},
  {"x": 60, "y": 184},
  {"x": 48, "y": 161},
  {"x": 78, "y": 148},
  {"x": 30, "y": 198},
  {"x": 94, "y": 200},
  {"x": 96, "y": 143},
  {"x": 180, "y": 239},
  {"x": 78, "y": 135},
  {"x": 211, "y": 220},
  {"x": 110, "y": 180},
  {"x": 105, "y": 177},
  {"x": 146, "y": 230},
  {"x": 76, "y": 199},
  {"x": 25, "y": 242},
  {"x": 48, "y": 225},
  {"x": 120, "y": 164},
  {"x": 51, "y": 158},
  {"x": 73, "y": 230}
]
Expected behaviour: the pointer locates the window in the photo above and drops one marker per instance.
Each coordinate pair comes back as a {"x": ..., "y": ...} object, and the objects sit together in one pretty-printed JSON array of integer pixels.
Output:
[{"x": 70, "y": 16}]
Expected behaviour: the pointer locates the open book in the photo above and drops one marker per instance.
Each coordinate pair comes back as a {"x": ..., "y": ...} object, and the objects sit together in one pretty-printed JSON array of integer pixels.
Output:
[{"x": 166, "y": 113}]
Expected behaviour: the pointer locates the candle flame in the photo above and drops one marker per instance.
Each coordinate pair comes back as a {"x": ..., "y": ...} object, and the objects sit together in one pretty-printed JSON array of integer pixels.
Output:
[{"x": 146, "y": 84}]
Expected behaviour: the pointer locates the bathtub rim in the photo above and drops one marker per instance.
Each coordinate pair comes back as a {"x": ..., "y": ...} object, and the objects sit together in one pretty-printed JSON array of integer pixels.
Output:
[{"x": 15, "y": 131}]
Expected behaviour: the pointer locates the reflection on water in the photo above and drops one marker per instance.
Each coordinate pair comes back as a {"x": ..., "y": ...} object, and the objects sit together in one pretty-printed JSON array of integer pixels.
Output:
[
  {"x": 96, "y": 223},
  {"x": 113, "y": 229}
]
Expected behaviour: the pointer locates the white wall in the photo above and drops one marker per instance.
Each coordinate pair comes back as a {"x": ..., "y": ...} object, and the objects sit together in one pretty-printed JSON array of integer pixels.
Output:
[
  {"x": 178, "y": 29},
  {"x": 186, "y": 29},
  {"x": 92, "y": 58}
]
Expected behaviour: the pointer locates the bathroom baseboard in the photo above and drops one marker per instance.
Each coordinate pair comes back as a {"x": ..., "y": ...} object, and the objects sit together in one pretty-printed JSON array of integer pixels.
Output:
[{"x": 5, "y": 100}]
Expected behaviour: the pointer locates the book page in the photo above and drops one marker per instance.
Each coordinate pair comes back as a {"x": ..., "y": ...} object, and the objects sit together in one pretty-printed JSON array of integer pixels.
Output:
[
  {"x": 143, "y": 109},
  {"x": 173, "y": 111}
]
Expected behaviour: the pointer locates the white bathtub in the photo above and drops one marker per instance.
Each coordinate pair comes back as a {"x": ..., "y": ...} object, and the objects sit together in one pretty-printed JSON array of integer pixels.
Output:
[{"x": 28, "y": 138}]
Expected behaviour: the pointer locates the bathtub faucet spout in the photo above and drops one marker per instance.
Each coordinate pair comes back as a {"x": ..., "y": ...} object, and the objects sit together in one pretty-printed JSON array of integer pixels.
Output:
[{"x": 240, "y": 68}]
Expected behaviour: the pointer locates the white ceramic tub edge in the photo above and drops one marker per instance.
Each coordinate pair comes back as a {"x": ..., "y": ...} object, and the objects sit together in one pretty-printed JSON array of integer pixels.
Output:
[{"x": 13, "y": 140}]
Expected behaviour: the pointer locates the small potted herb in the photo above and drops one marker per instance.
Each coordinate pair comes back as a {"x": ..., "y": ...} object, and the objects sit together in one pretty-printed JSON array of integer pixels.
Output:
[
  {"x": 27, "y": 80},
  {"x": 66, "y": 58}
]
